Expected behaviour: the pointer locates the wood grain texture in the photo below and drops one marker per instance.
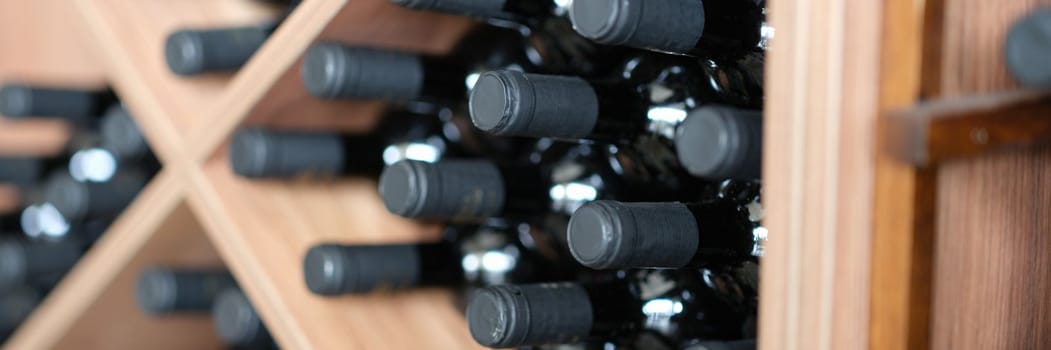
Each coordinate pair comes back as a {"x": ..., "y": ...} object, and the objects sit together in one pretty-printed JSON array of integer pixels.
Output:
[
  {"x": 263, "y": 229},
  {"x": 91, "y": 308},
  {"x": 821, "y": 108},
  {"x": 940, "y": 130},
  {"x": 990, "y": 285}
]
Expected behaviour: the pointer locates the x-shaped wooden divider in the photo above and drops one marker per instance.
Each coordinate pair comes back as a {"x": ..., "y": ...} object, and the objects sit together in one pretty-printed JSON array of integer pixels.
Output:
[{"x": 196, "y": 212}]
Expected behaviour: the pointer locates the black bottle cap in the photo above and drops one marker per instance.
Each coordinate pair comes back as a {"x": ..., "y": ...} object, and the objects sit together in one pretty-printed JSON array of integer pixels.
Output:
[
  {"x": 236, "y": 320},
  {"x": 1026, "y": 48},
  {"x": 191, "y": 52},
  {"x": 121, "y": 135},
  {"x": 516, "y": 315},
  {"x": 717, "y": 142},
  {"x": 333, "y": 71},
  {"x": 450, "y": 189},
  {"x": 156, "y": 290},
  {"x": 18, "y": 100},
  {"x": 68, "y": 195},
  {"x": 335, "y": 270},
  {"x": 258, "y": 153},
  {"x": 609, "y": 234},
  {"x": 513, "y": 103},
  {"x": 12, "y": 264},
  {"x": 640, "y": 23}
]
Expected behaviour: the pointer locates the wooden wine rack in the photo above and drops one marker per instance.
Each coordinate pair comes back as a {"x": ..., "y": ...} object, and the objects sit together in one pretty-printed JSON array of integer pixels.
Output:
[{"x": 867, "y": 249}]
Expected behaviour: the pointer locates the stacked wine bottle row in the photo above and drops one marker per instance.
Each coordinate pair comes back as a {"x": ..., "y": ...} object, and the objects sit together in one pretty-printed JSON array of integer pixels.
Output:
[
  {"x": 63, "y": 202},
  {"x": 596, "y": 165}
]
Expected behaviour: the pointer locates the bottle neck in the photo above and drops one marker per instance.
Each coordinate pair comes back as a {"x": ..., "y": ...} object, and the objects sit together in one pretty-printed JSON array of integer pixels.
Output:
[
  {"x": 725, "y": 231},
  {"x": 674, "y": 304},
  {"x": 444, "y": 82},
  {"x": 526, "y": 192},
  {"x": 650, "y": 94},
  {"x": 440, "y": 265},
  {"x": 731, "y": 28},
  {"x": 399, "y": 135}
]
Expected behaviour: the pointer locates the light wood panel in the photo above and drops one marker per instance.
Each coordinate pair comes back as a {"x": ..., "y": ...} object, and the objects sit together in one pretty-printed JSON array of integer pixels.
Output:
[
  {"x": 821, "y": 108},
  {"x": 263, "y": 230},
  {"x": 45, "y": 41},
  {"x": 991, "y": 262}
]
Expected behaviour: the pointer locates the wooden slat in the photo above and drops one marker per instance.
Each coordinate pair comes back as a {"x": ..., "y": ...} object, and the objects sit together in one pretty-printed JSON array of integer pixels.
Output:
[
  {"x": 968, "y": 126},
  {"x": 821, "y": 108}
]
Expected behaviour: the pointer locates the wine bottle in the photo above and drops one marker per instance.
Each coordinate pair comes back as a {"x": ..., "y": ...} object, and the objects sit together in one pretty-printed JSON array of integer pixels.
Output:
[
  {"x": 335, "y": 71},
  {"x": 16, "y": 304},
  {"x": 1027, "y": 43},
  {"x": 237, "y": 323},
  {"x": 190, "y": 52},
  {"x": 75, "y": 105},
  {"x": 697, "y": 27},
  {"x": 462, "y": 190},
  {"x": 470, "y": 256},
  {"x": 121, "y": 136},
  {"x": 77, "y": 200},
  {"x": 676, "y": 305},
  {"x": 163, "y": 290},
  {"x": 612, "y": 235},
  {"x": 720, "y": 142},
  {"x": 37, "y": 264},
  {"x": 561, "y": 177},
  {"x": 259, "y": 153},
  {"x": 637, "y": 112}
]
